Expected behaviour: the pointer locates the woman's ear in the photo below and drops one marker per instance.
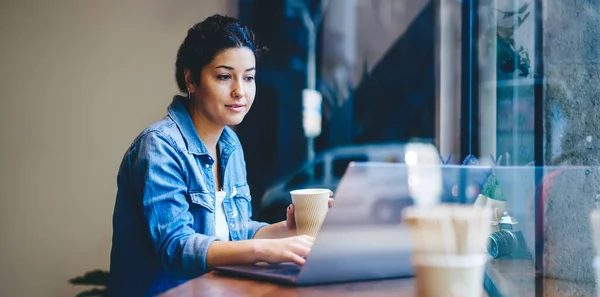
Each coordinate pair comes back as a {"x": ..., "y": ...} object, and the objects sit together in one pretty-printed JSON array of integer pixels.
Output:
[{"x": 189, "y": 81}]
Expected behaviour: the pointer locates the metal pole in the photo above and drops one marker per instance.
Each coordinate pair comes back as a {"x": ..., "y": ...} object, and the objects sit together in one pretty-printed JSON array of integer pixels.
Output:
[
  {"x": 311, "y": 25},
  {"x": 448, "y": 86},
  {"x": 311, "y": 72}
]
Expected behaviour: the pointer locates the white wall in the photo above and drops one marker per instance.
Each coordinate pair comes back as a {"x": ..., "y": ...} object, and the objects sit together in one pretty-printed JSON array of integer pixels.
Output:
[{"x": 78, "y": 80}]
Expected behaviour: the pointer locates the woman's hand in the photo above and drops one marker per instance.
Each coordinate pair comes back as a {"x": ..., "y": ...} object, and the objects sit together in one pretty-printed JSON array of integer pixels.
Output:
[
  {"x": 291, "y": 220},
  {"x": 290, "y": 249},
  {"x": 282, "y": 229}
]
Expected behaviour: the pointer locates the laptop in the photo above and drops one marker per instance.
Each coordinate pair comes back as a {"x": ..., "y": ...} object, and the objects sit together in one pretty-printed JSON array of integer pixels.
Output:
[{"x": 353, "y": 243}]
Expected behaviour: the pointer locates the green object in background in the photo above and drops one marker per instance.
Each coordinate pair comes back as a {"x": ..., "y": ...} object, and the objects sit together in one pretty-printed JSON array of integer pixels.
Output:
[
  {"x": 98, "y": 278},
  {"x": 491, "y": 189}
]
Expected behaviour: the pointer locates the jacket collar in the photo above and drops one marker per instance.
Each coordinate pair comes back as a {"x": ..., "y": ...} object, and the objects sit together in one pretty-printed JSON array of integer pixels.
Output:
[{"x": 179, "y": 114}]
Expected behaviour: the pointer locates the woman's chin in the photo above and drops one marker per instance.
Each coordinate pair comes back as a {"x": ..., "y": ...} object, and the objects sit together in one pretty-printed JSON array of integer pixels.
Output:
[{"x": 235, "y": 120}]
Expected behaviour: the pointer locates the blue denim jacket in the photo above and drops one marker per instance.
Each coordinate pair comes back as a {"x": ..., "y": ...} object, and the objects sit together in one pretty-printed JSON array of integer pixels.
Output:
[{"x": 164, "y": 216}]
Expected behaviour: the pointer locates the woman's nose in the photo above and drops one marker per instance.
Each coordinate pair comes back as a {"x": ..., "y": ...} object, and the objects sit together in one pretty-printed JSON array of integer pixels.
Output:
[{"x": 238, "y": 90}]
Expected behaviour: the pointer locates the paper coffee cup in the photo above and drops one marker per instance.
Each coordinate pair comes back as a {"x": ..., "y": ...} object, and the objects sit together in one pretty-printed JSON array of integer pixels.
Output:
[
  {"x": 310, "y": 209},
  {"x": 449, "y": 275}
]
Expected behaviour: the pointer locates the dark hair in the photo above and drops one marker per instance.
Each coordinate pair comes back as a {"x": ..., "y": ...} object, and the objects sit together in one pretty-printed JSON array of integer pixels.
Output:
[{"x": 207, "y": 39}]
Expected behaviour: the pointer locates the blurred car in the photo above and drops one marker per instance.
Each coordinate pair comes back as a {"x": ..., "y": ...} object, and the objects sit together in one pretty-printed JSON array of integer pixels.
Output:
[
  {"x": 372, "y": 193},
  {"x": 325, "y": 171},
  {"x": 384, "y": 195}
]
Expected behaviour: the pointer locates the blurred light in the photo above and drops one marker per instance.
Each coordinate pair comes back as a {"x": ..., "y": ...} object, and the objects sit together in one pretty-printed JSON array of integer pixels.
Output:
[
  {"x": 413, "y": 181},
  {"x": 472, "y": 191},
  {"x": 455, "y": 191},
  {"x": 410, "y": 158}
]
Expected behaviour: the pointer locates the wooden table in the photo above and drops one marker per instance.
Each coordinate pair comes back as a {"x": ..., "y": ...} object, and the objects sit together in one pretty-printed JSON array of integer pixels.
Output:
[
  {"x": 215, "y": 284},
  {"x": 511, "y": 278}
]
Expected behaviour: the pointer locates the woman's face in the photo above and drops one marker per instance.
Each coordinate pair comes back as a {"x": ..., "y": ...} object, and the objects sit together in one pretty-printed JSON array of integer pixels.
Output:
[{"x": 227, "y": 87}]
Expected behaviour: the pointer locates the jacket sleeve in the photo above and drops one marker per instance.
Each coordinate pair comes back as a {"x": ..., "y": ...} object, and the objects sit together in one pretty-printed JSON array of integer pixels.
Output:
[{"x": 253, "y": 227}]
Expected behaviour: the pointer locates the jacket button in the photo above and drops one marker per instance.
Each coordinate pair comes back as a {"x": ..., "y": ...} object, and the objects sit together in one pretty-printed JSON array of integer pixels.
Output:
[{"x": 206, "y": 165}]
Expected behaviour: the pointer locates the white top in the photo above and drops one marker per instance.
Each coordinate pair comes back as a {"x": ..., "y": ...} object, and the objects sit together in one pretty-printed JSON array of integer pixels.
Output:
[{"x": 221, "y": 227}]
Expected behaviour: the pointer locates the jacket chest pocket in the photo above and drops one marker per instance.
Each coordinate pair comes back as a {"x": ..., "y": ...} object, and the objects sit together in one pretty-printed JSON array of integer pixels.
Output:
[
  {"x": 240, "y": 195},
  {"x": 202, "y": 207},
  {"x": 203, "y": 200}
]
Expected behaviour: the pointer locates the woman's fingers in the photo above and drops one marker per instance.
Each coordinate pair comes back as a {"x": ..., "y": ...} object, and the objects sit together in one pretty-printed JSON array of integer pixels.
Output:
[
  {"x": 301, "y": 245},
  {"x": 304, "y": 243},
  {"x": 290, "y": 220},
  {"x": 306, "y": 238},
  {"x": 300, "y": 250},
  {"x": 296, "y": 259},
  {"x": 291, "y": 249},
  {"x": 330, "y": 202}
]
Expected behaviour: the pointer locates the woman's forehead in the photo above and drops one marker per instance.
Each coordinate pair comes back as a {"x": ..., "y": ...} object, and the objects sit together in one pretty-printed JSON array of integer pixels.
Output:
[{"x": 239, "y": 58}]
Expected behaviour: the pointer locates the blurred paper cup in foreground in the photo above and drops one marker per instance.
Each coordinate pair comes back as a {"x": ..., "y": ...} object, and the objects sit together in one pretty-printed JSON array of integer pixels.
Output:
[
  {"x": 310, "y": 209},
  {"x": 450, "y": 276},
  {"x": 449, "y": 248}
]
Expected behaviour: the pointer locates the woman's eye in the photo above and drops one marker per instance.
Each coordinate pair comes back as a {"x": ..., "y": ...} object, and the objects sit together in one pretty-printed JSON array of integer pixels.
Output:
[
  {"x": 223, "y": 76},
  {"x": 249, "y": 78}
]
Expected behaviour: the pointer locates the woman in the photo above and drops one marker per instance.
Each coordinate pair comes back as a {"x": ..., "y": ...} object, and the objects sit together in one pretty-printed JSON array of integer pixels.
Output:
[{"x": 183, "y": 202}]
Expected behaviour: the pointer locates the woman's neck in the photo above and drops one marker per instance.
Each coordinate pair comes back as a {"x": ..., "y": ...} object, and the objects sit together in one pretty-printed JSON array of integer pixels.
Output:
[
  {"x": 208, "y": 132},
  {"x": 209, "y": 136}
]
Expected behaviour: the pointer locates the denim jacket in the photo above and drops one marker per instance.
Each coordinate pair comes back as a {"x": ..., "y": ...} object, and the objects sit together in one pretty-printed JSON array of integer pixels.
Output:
[{"x": 164, "y": 215}]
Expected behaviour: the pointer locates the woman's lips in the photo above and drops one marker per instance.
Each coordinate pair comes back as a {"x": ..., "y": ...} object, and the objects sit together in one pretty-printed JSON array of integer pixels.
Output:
[{"x": 236, "y": 107}]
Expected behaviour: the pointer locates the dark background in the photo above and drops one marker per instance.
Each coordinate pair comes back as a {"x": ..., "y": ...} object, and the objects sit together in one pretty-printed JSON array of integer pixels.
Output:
[{"x": 393, "y": 102}]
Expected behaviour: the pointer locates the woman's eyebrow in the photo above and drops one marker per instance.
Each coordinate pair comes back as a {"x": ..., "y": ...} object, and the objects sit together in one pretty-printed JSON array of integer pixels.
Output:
[
  {"x": 225, "y": 66},
  {"x": 231, "y": 68}
]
